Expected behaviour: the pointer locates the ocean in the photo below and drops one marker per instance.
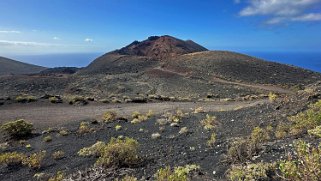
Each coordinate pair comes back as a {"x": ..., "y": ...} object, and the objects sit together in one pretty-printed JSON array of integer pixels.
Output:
[
  {"x": 311, "y": 61},
  {"x": 307, "y": 60}
]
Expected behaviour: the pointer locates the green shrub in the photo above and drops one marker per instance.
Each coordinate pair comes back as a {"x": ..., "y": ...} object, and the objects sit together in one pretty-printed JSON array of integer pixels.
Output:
[
  {"x": 35, "y": 160},
  {"x": 94, "y": 150},
  {"x": 58, "y": 177},
  {"x": 250, "y": 172},
  {"x": 138, "y": 117},
  {"x": 57, "y": 155},
  {"x": 282, "y": 131},
  {"x": 55, "y": 100},
  {"x": 11, "y": 158},
  {"x": 272, "y": 96},
  {"x": 119, "y": 153},
  {"x": 77, "y": 100},
  {"x": 17, "y": 129},
  {"x": 47, "y": 138},
  {"x": 315, "y": 132},
  {"x": 14, "y": 158},
  {"x": 25, "y": 99},
  {"x": 178, "y": 174},
  {"x": 305, "y": 165},
  {"x": 209, "y": 122},
  {"x": 109, "y": 116},
  {"x": 212, "y": 140},
  {"x": 306, "y": 120},
  {"x": 84, "y": 128},
  {"x": 63, "y": 132},
  {"x": 244, "y": 149}
]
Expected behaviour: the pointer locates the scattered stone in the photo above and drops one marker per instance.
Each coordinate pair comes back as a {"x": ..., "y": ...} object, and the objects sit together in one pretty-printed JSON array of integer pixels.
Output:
[{"x": 156, "y": 135}]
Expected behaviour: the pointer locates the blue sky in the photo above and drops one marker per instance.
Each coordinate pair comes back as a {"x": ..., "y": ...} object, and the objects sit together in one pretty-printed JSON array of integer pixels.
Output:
[{"x": 84, "y": 26}]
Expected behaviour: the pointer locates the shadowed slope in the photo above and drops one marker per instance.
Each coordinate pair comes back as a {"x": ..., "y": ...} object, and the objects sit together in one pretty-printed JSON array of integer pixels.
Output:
[{"x": 8, "y": 66}]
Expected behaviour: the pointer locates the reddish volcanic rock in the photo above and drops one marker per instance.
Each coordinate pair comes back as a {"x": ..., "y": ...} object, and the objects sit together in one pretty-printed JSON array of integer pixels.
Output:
[{"x": 161, "y": 47}]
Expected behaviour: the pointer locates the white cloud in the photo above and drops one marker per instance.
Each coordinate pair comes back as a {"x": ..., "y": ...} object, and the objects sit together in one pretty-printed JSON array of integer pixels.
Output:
[
  {"x": 308, "y": 17},
  {"x": 279, "y": 11},
  {"x": 89, "y": 40},
  {"x": 23, "y": 43},
  {"x": 11, "y": 31},
  {"x": 56, "y": 38}
]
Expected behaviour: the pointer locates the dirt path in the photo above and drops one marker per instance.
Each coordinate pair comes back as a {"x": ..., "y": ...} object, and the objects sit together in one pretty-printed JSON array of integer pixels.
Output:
[
  {"x": 48, "y": 115},
  {"x": 253, "y": 86},
  {"x": 256, "y": 86}
]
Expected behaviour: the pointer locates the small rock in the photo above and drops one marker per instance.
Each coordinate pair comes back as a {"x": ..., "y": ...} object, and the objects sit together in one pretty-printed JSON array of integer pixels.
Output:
[{"x": 174, "y": 125}]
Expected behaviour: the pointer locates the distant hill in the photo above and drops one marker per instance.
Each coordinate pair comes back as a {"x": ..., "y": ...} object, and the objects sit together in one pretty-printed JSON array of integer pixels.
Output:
[
  {"x": 9, "y": 67},
  {"x": 164, "y": 65},
  {"x": 161, "y": 47}
]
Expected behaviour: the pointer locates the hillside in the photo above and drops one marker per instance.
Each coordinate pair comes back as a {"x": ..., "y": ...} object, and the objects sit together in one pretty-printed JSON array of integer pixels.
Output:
[
  {"x": 9, "y": 66},
  {"x": 167, "y": 66}
]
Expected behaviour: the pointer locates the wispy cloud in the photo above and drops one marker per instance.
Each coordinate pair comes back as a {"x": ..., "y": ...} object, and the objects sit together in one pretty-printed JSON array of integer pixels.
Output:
[
  {"x": 280, "y": 11},
  {"x": 23, "y": 43},
  {"x": 237, "y": 1},
  {"x": 10, "y": 31},
  {"x": 55, "y": 38},
  {"x": 89, "y": 40}
]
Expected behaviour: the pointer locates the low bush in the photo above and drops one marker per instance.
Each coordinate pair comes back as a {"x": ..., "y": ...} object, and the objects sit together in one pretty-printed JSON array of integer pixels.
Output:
[
  {"x": 315, "y": 132},
  {"x": 55, "y": 100},
  {"x": 77, "y": 100},
  {"x": 25, "y": 99},
  {"x": 209, "y": 122},
  {"x": 59, "y": 176},
  {"x": 94, "y": 150},
  {"x": 47, "y": 138},
  {"x": 242, "y": 150},
  {"x": 304, "y": 165},
  {"x": 109, "y": 116},
  {"x": 14, "y": 158},
  {"x": 177, "y": 174},
  {"x": 63, "y": 132},
  {"x": 272, "y": 96},
  {"x": 117, "y": 153},
  {"x": 57, "y": 155},
  {"x": 249, "y": 172},
  {"x": 282, "y": 130},
  {"x": 212, "y": 140},
  {"x": 138, "y": 117},
  {"x": 17, "y": 129},
  {"x": 306, "y": 120},
  {"x": 35, "y": 160},
  {"x": 84, "y": 128}
]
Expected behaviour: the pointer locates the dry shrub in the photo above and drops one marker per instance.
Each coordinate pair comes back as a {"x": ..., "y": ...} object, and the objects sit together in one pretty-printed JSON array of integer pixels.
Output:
[
  {"x": 17, "y": 129},
  {"x": 117, "y": 153},
  {"x": 242, "y": 150},
  {"x": 109, "y": 116}
]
